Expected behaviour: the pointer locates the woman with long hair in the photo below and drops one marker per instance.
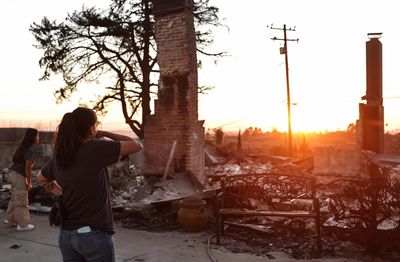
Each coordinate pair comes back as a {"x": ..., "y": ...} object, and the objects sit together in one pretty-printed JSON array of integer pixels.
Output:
[
  {"x": 78, "y": 173},
  {"x": 21, "y": 181}
]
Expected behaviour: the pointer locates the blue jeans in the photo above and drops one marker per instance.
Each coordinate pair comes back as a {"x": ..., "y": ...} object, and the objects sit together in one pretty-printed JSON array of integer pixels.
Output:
[{"x": 92, "y": 246}]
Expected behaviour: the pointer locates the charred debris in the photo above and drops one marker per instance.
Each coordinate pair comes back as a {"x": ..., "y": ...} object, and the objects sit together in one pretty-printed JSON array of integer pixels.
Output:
[{"x": 359, "y": 214}]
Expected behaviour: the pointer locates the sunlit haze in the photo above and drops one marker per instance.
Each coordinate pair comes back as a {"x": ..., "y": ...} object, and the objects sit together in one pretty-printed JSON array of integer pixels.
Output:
[{"x": 326, "y": 67}]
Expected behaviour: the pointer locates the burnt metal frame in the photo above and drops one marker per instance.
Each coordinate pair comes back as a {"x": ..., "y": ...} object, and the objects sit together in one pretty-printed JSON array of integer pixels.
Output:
[{"x": 267, "y": 187}]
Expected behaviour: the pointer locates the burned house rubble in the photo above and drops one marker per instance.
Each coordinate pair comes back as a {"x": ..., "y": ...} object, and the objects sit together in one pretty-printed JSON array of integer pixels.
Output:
[{"x": 352, "y": 209}]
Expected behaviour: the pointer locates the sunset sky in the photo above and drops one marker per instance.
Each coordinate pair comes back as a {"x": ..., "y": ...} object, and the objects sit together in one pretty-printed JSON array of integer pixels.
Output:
[{"x": 327, "y": 65}]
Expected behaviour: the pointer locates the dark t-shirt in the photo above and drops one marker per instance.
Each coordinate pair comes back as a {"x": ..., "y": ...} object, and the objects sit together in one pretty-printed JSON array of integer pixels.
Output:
[
  {"x": 19, "y": 166},
  {"x": 86, "y": 185}
]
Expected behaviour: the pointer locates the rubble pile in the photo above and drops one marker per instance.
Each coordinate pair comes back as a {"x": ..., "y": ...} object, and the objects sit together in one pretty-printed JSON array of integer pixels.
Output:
[
  {"x": 151, "y": 203},
  {"x": 125, "y": 182},
  {"x": 157, "y": 218},
  {"x": 345, "y": 212}
]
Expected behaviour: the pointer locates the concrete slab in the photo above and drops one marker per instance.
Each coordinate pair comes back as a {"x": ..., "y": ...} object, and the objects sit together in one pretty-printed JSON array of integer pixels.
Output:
[{"x": 41, "y": 245}]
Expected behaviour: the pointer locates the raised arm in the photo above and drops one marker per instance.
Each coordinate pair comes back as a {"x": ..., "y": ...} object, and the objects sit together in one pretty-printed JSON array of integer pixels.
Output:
[{"x": 128, "y": 144}]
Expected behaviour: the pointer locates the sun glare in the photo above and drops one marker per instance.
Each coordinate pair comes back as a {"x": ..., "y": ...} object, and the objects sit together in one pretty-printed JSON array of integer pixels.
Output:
[{"x": 317, "y": 118}]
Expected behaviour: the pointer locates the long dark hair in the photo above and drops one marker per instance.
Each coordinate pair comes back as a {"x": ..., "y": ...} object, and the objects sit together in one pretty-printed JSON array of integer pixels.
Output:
[
  {"x": 27, "y": 141},
  {"x": 71, "y": 132}
]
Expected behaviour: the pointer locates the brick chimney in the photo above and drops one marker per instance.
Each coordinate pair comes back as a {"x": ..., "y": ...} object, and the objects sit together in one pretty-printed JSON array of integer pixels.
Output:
[
  {"x": 175, "y": 115},
  {"x": 372, "y": 112}
]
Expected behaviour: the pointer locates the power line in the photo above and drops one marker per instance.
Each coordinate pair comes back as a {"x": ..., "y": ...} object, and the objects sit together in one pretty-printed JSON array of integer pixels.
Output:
[{"x": 237, "y": 120}]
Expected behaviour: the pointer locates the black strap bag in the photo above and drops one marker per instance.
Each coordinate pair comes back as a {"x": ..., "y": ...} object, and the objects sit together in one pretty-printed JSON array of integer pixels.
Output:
[{"x": 55, "y": 216}]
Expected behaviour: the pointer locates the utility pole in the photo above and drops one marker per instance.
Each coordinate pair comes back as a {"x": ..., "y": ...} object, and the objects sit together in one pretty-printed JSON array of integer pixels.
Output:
[{"x": 284, "y": 51}]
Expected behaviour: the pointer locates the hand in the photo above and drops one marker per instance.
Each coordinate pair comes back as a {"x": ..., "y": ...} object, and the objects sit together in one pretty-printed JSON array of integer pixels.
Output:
[
  {"x": 57, "y": 191},
  {"x": 28, "y": 185},
  {"x": 54, "y": 188}
]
